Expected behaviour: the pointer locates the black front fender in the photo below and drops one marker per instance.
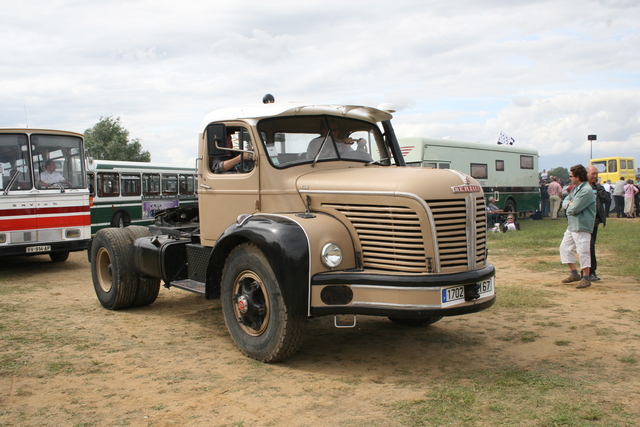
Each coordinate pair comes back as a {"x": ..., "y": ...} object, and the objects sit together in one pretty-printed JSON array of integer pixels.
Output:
[{"x": 285, "y": 246}]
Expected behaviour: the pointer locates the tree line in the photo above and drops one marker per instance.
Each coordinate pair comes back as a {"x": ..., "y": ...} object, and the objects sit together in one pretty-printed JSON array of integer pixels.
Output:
[{"x": 108, "y": 140}]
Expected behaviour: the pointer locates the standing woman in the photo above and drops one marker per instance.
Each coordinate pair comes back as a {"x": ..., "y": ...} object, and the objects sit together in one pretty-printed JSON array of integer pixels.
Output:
[{"x": 630, "y": 191}]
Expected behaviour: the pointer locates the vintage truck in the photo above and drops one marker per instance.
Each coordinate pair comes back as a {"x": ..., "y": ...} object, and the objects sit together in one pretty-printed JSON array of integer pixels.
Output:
[{"x": 320, "y": 216}]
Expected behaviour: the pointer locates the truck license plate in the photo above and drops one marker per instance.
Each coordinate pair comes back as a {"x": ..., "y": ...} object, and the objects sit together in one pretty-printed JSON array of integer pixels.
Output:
[
  {"x": 44, "y": 248},
  {"x": 454, "y": 295},
  {"x": 450, "y": 295}
]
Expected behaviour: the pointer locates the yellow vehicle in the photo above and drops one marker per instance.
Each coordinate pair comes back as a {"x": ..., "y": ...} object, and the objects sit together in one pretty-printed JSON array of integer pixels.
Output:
[{"x": 612, "y": 168}]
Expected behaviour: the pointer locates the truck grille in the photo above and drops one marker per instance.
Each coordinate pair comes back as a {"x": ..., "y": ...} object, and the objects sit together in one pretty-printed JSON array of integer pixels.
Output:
[
  {"x": 392, "y": 239},
  {"x": 450, "y": 218}
]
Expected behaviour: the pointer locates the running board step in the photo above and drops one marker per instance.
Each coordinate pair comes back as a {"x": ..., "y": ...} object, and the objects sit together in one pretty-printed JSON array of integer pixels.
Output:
[{"x": 188, "y": 285}]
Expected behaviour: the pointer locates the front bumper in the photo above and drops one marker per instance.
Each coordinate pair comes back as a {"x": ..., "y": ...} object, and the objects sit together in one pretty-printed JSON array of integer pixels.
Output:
[{"x": 411, "y": 296}]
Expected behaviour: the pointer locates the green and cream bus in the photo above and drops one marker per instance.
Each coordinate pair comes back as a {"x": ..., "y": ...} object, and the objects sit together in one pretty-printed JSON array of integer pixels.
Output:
[
  {"x": 508, "y": 173},
  {"x": 124, "y": 193}
]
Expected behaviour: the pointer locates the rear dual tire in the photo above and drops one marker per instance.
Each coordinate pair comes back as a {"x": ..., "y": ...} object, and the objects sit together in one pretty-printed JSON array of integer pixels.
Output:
[{"x": 115, "y": 280}]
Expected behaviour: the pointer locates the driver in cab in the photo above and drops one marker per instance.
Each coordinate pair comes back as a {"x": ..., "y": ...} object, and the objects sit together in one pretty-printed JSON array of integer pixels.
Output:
[
  {"x": 49, "y": 176},
  {"x": 228, "y": 161}
]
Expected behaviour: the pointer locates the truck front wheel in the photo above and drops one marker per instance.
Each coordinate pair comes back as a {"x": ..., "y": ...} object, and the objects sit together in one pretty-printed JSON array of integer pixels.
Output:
[
  {"x": 112, "y": 269},
  {"x": 254, "y": 309}
]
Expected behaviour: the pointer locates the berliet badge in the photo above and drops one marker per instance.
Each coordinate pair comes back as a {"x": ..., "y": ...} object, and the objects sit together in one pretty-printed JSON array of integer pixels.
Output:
[{"x": 465, "y": 188}]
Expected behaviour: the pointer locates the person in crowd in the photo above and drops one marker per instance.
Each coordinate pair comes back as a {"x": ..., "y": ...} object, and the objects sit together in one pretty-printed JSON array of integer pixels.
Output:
[
  {"x": 511, "y": 224},
  {"x": 637, "y": 198},
  {"x": 544, "y": 175},
  {"x": 49, "y": 176},
  {"x": 229, "y": 160},
  {"x": 630, "y": 192},
  {"x": 618, "y": 197},
  {"x": 544, "y": 198},
  {"x": 555, "y": 191},
  {"x": 638, "y": 175},
  {"x": 602, "y": 196},
  {"x": 609, "y": 189},
  {"x": 580, "y": 206},
  {"x": 493, "y": 212}
]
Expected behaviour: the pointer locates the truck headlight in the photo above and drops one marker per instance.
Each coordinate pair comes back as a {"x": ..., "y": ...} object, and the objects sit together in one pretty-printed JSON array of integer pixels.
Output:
[{"x": 331, "y": 255}]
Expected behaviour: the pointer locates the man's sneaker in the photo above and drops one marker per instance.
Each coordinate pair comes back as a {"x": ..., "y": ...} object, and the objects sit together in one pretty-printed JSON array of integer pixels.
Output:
[
  {"x": 593, "y": 278},
  {"x": 584, "y": 283},
  {"x": 572, "y": 278}
]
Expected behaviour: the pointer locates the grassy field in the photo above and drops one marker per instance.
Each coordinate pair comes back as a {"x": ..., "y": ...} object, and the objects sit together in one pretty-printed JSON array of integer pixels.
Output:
[{"x": 544, "y": 355}]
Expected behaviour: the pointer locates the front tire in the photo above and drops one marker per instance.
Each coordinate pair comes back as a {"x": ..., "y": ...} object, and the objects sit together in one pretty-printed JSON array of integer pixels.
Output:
[
  {"x": 112, "y": 269},
  {"x": 254, "y": 309}
]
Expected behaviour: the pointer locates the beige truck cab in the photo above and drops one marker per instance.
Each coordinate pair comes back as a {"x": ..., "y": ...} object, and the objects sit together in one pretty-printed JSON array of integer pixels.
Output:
[{"x": 305, "y": 211}]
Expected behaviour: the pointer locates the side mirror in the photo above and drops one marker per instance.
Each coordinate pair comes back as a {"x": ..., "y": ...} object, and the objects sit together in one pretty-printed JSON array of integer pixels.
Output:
[{"x": 216, "y": 139}]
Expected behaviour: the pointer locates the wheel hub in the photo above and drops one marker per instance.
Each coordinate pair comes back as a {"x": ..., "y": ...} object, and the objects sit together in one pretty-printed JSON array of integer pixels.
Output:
[{"x": 251, "y": 307}]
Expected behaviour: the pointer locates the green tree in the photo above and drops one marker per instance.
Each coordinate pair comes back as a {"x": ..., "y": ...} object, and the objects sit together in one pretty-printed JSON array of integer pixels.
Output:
[
  {"x": 560, "y": 172},
  {"x": 108, "y": 140}
]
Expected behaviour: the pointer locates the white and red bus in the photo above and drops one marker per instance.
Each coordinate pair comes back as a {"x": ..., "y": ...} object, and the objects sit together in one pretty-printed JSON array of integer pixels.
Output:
[{"x": 44, "y": 200}]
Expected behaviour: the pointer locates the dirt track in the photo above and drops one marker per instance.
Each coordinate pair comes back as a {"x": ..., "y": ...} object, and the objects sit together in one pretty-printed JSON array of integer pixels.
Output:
[{"x": 67, "y": 361}]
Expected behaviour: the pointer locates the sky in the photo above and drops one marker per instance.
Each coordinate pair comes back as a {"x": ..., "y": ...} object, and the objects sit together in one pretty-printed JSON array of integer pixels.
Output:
[{"x": 547, "y": 73}]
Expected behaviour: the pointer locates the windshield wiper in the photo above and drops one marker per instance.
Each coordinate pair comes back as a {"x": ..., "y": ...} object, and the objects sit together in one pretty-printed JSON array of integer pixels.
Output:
[
  {"x": 11, "y": 181},
  {"x": 324, "y": 141}
]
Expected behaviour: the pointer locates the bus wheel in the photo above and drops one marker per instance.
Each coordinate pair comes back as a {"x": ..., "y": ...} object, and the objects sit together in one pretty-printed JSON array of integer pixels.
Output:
[
  {"x": 416, "y": 323},
  {"x": 59, "y": 256},
  {"x": 148, "y": 287},
  {"x": 510, "y": 206},
  {"x": 118, "y": 220},
  {"x": 254, "y": 309},
  {"x": 112, "y": 269}
]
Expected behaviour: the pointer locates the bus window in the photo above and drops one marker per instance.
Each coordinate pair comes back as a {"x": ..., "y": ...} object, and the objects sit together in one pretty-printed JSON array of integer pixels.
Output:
[
  {"x": 151, "y": 184},
  {"x": 601, "y": 166},
  {"x": 91, "y": 185},
  {"x": 108, "y": 185},
  {"x": 130, "y": 184},
  {"x": 479, "y": 171},
  {"x": 169, "y": 184},
  {"x": 629, "y": 164},
  {"x": 623, "y": 164},
  {"x": 500, "y": 165},
  {"x": 613, "y": 166},
  {"x": 187, "y": 184},
  {"x": 526, "y": 162}
]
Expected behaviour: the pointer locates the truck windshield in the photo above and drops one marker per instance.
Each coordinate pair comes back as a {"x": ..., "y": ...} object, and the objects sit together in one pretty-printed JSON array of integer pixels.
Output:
[{"x": 298, "y": 140}]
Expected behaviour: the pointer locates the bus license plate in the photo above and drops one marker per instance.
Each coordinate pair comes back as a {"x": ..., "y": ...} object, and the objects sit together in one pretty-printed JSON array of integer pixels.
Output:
[{"x": 32, "y": 249}]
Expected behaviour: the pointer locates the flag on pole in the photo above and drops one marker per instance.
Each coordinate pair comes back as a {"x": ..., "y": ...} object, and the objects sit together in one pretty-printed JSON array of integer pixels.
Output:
[{"x": 505, "y": 139}]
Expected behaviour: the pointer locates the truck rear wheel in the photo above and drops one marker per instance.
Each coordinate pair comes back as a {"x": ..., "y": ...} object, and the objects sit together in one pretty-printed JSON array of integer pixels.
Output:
[
  {"x": 254, "y": 309},
  {"x": 148, "y": 287},
  {"x": 416, "y": 323},
  {"x": 112, "y": 268}
]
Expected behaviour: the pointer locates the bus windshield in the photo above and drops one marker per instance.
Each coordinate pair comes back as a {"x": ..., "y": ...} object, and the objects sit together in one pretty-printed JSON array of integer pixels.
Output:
[
  {"x": 308, "y": 139},
  {"x": 50, "y": 161},
  {"x": 57, "y": 161}
]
